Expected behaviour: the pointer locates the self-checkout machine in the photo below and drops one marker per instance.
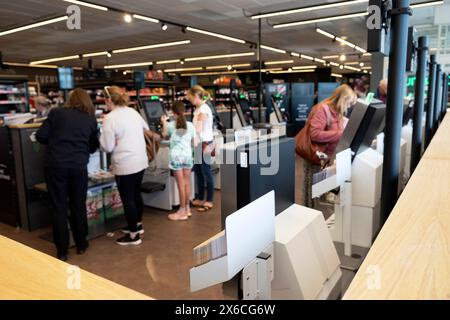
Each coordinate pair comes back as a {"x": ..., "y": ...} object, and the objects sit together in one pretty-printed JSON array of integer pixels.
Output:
[
  {"x": 405, "y": 145},
  {"x": 304, "y": 264},
  {"x": 159, "y": 187},
  {"x": 363, "y": 126}
]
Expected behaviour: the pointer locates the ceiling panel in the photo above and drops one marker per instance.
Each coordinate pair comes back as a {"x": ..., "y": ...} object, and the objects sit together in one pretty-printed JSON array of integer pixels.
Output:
[{"x": 107, "y": 30}]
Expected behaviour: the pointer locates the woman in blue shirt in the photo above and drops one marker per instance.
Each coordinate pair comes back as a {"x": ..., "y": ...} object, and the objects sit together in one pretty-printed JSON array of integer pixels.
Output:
[{"x": 181, "y": 160}]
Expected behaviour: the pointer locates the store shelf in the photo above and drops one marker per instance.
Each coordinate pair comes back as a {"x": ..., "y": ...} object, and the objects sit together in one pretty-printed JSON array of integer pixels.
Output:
[
  {"x": 11, "y": 92},
  {"x": 12, "y": 102}
]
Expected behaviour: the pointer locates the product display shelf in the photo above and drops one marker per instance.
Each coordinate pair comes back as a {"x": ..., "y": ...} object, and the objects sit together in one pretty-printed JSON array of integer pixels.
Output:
[
  {"x": 104, "y": 208},
  {"x": 14, "y": 94}
]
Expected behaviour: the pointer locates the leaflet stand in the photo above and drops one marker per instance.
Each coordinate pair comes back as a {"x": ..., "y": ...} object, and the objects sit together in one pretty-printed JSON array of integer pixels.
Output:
[{"x": 338, "y": 175}]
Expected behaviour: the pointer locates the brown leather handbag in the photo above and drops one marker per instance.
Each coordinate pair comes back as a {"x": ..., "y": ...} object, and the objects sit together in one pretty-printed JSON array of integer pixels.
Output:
[
  {"x": 305, "y": 147},
  {"x": 153, "y": 143}
]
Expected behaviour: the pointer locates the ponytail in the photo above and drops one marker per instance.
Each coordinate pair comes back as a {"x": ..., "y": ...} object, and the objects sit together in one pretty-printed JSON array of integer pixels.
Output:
[
  {"x": 198, "y": 91},
  {"x": 178, "y": 108},
  {"x": 118, "y": 96}
]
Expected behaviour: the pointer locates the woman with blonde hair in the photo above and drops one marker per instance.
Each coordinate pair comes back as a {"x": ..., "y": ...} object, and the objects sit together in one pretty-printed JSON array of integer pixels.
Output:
[
  {"x": 70, "y": 134},
  {"x": 203, "y": 123},
  {"x": 123, "y": 136},
  {"x": 324, "y": 127}
]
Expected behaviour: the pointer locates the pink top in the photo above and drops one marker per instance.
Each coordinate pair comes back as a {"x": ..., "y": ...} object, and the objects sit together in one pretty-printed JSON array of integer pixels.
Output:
[{"x": 326, "y": 127}]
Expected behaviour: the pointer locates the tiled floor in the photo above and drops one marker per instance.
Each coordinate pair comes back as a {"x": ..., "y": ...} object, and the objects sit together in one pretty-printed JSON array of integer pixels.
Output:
[{"x": 160, "y": 266}]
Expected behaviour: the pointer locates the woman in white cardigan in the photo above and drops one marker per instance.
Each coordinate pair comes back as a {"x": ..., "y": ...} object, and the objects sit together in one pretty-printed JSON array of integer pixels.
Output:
[{"x": 123, "y": 136}]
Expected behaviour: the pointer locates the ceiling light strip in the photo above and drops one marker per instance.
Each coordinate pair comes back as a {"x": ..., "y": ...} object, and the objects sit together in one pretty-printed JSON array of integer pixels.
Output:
[
  {"x": 33, "y": 25},
  {"x": 319, "y": 60},
  {"x": 153, "y": 46},
  {"x": 279, "y": 62},
  {"x": 138, "y": 16},
  {"x": 426, "y": 4},
  {"x": 304, "y": 67},
  {"x": 226, "y": 66},
  {"x": 222, "y": 56},
  {"x": 308, "y": 9},
  {"x": 119, "y": 66},
  {"x": 330, "y": 18},
  {"x": 87, "y": 4},
  {"x": 213, "y": 34},
  {"x": 336, "y": 75},
  {"x": 273, "y": 49},
  {"x": 304, "y": 56},
  {"x": 228, "y": 72},
  {"x": 184, "y": 69},
  {"x": 95, "y": 54},
  {"x": 294, "y": 71},
  {"x": 339, "y": 39},
  {"x": 55, "y": 59},
  {"x": 352, "y": 68},
  {"x": 168, "y": 61}
]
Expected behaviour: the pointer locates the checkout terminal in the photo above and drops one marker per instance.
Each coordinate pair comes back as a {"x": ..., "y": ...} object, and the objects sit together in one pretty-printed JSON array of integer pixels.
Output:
[{"x": 152, "y": 110}]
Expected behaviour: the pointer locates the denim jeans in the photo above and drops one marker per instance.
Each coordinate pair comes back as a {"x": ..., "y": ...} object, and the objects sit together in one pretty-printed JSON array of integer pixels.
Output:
[{"x": 203, "y": 174}]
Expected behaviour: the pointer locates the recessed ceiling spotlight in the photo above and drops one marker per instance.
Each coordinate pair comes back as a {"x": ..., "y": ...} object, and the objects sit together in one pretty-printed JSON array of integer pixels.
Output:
[
  {"x": 342, "y": 57},
  {"x": 164, "y": 27},
  {"x": 229, "y": 67},
  {"x": 109, "y": 54},
  {"x": 341, "y": 67},
  {"x": 127, "y": 18},
  {"x": 361, "y": 64},
  {"x": 182, "y": 61}
]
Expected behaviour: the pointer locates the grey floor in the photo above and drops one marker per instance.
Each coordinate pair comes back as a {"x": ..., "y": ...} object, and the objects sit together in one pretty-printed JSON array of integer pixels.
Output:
[{"x": 160, "y": 266}]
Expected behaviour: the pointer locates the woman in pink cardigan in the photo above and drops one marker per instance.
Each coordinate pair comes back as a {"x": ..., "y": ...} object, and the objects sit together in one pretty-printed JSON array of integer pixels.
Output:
[{"x": 327, "y": 123}]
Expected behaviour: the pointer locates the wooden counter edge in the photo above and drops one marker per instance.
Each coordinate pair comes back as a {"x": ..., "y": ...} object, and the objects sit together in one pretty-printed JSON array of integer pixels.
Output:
[{"x": 128, "y": 294}]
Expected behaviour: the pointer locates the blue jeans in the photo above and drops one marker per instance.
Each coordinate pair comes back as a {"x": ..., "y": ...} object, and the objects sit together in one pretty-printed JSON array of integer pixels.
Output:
[{"x": 203, "y": 173}]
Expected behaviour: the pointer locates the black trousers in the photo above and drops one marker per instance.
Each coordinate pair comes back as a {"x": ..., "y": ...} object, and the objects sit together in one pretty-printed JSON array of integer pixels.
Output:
[
  {"x": 130, "y": 193},
  {"x": 67, "y": 188}
]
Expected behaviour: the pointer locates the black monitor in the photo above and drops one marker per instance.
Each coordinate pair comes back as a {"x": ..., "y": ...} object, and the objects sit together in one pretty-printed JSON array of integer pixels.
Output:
[
  {"x": 408, "y": 112},
  {"x": 66, "y": 78},
  {"x": 239, "y": 112},
  {"x": 276, "y": 108},
  {"x": 363, "y": 127},
  {"x": 153, "y": 111}
]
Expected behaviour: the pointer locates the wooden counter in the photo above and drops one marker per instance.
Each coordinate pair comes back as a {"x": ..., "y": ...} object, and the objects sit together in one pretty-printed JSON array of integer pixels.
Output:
[
  {"x": 410, "y": 258},
  {"x": 29, "y": 274}
]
